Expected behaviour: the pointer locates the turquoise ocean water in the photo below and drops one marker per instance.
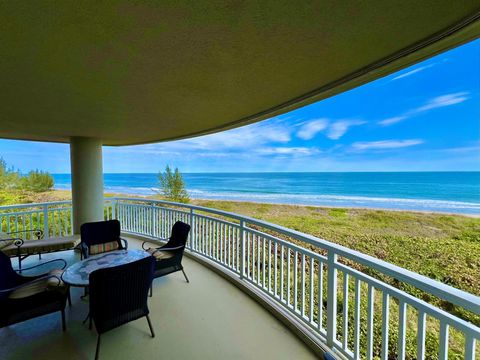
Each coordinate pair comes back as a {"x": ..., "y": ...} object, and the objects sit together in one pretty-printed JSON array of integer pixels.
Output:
[{"x": 453, "y": 192}]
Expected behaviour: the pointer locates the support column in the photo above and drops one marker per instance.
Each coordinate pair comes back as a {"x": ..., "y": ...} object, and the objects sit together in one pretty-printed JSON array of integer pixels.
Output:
[{"x": 87, "y": 180}]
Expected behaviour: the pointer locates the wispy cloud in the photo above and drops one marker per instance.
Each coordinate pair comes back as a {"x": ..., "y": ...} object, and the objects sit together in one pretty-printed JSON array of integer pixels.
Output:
[
  {"x": 333, "y": 130},
  {"x": 392, "y": 120},
  {"x": 302, "y": 151},
  {"x": 444, "y": 100},
  {"x": 386, "y": 144},
  {"x": 311, "y": 128},
  {"x": 434, "y": 103},
  {"x": 411, "y": 72},
  {"x": 339, "y": 128}
]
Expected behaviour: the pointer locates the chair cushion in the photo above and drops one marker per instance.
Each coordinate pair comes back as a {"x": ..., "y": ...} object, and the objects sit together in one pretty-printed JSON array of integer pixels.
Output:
[
  {"x": 101, "y": 248},
  {"x": 5, "y": 240},
  {"x": 160, "y": 255},
  {"x": 31, "y": 247},
  {"x": 52, "y": 282}
]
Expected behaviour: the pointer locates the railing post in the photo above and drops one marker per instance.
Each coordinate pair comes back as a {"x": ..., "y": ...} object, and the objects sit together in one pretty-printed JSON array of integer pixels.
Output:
[
  {"x": 114, "y": 210},
  {"x": 46, "y": 233},
  {"x": 242, "y": 249},
  {"x": 332, "y": 299},
  {"x": 192, "y": 231}
]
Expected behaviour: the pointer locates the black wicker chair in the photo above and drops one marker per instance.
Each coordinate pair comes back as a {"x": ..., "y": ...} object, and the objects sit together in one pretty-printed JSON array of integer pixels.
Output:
[
  {"x": 119, "y": 294},
  {"x": 169, "y": 256},
  {"x": 105, "y": 233},
  {"x": 26, "y": 297}
]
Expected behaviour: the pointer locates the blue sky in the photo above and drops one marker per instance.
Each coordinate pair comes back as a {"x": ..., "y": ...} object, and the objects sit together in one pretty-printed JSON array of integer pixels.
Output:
[{"x": 423, "y": 118}]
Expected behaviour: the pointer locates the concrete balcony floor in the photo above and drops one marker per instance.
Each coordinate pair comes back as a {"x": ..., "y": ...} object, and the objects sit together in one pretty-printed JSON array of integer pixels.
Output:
[{"x": 209, "y": 318}]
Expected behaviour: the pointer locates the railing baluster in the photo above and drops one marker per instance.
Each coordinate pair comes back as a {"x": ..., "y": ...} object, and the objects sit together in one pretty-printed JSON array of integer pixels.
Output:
[
  {"x": 228, "y": 234},
  {"x": 320, "y": 295},
  {"x": 242, "y": 249},
  {"x": 46, "y": 229},
  {"x": 269, "y": 265},
  {"x": 402, "y": 319},
  {"x": 303, "y": 285},
  {"x": 370, "y": 310},
  {"x": 312, "y": 288},
  {"x": 257, "y": 244},
  {"x": 282, "y": 254},
  {"x": 356, "y": 343},
  {"x": 252, "y": 268},
  {"x": 275, "y": 272},
  {"x": 345, "y": 311},
  {"x": 288, "y": 276},
  {"x": 263, "y": 262},
  {"x": 443, "y": 350},
  {"x": 469, "y": 347},
  {"x": 248, "y": 256},
  {"x": 385, "y": 324},
  {"x": 421, "y": 335},
  {"x": 295, "y": 282}
]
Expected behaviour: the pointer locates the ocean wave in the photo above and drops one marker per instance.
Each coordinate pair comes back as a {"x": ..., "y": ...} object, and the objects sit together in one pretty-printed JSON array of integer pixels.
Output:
[
  {"x": 318, "y": 200},
  {"x": 350, "y": 201}
]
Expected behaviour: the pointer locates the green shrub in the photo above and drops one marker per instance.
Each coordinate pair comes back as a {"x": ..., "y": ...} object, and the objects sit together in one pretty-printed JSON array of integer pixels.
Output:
[{"x": 37, "y": 181}]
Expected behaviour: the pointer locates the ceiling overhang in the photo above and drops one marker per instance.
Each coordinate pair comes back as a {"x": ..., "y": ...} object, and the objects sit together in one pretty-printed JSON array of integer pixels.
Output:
[{"x": 132, "y": 73}]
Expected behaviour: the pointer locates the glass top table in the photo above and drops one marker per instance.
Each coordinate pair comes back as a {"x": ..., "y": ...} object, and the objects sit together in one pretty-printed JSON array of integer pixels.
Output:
[{"x": 77, "y": 274}]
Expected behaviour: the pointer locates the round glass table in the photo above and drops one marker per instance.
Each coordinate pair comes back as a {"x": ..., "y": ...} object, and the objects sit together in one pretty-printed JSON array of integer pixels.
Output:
[{"x": 77, "y": 274}]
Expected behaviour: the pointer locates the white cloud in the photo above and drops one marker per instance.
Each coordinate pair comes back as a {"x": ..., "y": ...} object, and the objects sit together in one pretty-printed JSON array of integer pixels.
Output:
[
  {"x": 339, "y": 128},
  {"x": 303, "y": 151},
  {"x": 436, "y": 102},
  {"x": 392, "y": 120},
  {"x": 444, "y": 100},
  {"x": 386, "y": 144},
  {"x": 411, "y": 72},
  {"x": 311, "y": 128}
]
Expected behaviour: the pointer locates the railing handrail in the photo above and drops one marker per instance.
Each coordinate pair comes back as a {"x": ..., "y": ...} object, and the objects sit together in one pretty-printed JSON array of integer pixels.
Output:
[
  {"x": 446, "y": 292},
  {"x": 23, "y": 206}
]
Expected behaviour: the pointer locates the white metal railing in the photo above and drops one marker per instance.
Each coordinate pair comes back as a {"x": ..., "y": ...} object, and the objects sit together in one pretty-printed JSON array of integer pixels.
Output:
[{"x": 352, "y": 302}]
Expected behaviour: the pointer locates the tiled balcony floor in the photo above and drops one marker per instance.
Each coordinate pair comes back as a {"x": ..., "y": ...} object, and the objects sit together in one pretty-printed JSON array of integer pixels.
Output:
[{"x": 208, "y": 318}]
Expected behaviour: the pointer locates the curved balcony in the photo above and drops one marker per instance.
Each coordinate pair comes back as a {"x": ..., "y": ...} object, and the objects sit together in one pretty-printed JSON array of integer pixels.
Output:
[{"x": 335, "y": 299}]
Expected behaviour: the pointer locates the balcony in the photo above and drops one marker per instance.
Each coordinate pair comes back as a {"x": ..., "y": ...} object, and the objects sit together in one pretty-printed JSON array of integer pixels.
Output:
[{"x": 334, "y": 299}]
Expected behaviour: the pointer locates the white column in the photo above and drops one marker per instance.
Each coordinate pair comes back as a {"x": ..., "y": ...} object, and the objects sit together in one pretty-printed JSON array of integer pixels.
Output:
[{"x": 87, "y": 180}]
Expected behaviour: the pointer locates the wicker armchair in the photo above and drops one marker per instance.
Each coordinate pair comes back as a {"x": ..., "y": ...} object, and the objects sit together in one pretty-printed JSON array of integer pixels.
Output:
[
  {"x": 169, "y": 256},
  {"x": 26, "y": 297},
  {"x": 101, "y": 236},
  {"x": 119, "y": 294}
]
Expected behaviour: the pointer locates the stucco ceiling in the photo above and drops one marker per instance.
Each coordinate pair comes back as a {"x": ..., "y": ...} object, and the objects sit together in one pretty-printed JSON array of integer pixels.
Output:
[{"x": 138, "y": 72}]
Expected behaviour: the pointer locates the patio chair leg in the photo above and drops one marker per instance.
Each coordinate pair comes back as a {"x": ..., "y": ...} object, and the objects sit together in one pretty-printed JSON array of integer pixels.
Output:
[
  {"x": 150, "y": 326},
  {"x": 151, "y": 290},
  {"x": 98, "y": 347},
  {"x": 186, "y": 278},
  {"x": 69, "y": 298},
  {"x": 64, "y": 326}
]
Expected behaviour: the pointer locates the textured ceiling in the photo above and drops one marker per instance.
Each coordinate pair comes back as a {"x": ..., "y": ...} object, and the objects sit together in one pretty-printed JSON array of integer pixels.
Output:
[{"x": 149, "y": 71}]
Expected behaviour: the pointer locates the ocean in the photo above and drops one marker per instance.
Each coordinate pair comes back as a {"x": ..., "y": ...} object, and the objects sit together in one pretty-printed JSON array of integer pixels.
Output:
[{"x": 451, "y": 192}]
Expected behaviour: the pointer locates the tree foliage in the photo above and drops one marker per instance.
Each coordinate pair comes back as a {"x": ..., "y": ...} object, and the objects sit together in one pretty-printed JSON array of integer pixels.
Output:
[
  {"x": 35, "y": 180},
  {"x": 172, "y": 186}
]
